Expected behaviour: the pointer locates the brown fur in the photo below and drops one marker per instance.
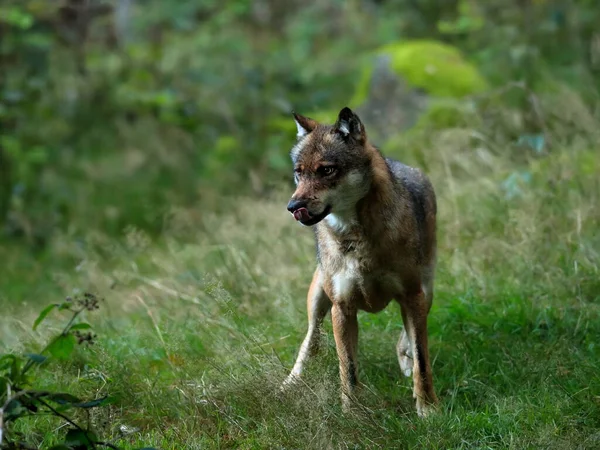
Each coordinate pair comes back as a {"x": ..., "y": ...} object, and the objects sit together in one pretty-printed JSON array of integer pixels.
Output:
[{"x": 376, "y": 241}]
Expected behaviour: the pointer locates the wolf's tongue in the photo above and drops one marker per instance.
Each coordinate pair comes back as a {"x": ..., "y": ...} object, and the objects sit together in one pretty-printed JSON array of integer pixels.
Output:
[{"x": 301, "y": 214}]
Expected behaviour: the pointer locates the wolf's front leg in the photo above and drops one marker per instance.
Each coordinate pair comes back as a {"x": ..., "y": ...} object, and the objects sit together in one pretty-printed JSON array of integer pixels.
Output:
[
  {"x": 317, "y": 304},
  {"x": 345, "y": 331}
]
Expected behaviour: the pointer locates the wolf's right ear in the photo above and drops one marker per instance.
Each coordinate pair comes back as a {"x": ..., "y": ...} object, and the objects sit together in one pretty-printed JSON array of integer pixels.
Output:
[
  {"x": 305, "y": 125},
  {"x": 349, "y": 125}
]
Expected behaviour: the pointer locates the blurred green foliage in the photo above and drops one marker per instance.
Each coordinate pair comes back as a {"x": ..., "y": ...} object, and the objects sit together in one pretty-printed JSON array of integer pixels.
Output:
[
  {"x": 125, "y": 120},
  {"x": 114, "y": 113}
]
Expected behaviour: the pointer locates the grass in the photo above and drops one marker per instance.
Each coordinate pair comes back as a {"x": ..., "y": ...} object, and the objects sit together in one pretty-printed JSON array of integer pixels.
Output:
[{"x": 198, "y": 329}]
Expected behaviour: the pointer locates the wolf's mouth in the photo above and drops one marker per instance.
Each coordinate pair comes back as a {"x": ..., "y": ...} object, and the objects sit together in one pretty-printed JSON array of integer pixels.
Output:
[{"x": 305, "y": 218}]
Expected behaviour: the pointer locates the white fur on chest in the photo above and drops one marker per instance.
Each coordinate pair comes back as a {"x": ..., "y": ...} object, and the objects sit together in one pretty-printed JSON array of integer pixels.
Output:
[
  {"x": 347, "y": 279},
  {"x": 340, "y": 224}
]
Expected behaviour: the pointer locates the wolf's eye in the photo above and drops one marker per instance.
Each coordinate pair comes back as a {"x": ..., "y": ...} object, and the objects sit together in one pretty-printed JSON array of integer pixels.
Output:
[{"x": 326, "y": 170}]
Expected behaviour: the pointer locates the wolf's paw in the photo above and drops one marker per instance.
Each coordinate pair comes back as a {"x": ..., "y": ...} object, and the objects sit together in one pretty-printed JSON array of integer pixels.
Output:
[
  {"x": 289, "y": 383},
  {"x": 426, "y": 408},
  {"x": 351, "y": 405}
]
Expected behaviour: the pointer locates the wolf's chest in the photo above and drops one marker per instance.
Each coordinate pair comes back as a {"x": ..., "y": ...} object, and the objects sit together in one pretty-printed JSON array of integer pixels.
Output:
[
  {"x": 348, "y": 278},
  {"x": 358, "y": 285}
]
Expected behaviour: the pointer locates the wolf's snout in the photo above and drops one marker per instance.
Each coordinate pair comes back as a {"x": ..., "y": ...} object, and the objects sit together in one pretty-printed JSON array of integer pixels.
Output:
[
  {"x": 294, "y": 204},
  {"x": 302, "y": 214},
  {"x": 299, "y": 210}
]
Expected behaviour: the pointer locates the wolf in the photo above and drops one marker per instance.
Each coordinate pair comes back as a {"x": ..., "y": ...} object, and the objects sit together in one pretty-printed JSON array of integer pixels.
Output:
[{"x": 374, "y": 220}]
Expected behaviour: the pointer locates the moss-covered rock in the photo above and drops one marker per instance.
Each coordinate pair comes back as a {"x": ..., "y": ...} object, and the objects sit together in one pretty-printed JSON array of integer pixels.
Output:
[{"x": 437, "y": 68}]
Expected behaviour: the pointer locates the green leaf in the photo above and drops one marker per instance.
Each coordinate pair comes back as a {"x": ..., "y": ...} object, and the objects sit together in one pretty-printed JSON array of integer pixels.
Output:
[
  {"x": 62, "y": 347},
  {"x": 43, "y": 315},
  {"x": 4, "y": 383},
  {"x": 13, "y": 410},
  {"x": 63, "y": 398},
  {"x": 16, "y": 17},
  {"x": 94, "y": 403},
  {"x": 38, "y": 359},
  {"x": 37, "y": 155},
  {"x": 71, "y": 400},
  {"x": 6, "y": 361},
  {"x": 77, "y": 437},
  {"x": 81, "y": 326},
  {"x": 15, "y": 370},
  {"x": 64, "y": 305},
  {"x": 60, "y": 447},
  {"x": 30, "y": 404}
]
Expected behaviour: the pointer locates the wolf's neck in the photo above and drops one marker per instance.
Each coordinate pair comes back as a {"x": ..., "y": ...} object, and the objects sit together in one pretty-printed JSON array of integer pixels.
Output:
[
  {"x": 342, "y": 221},
  {"x": 370, "y": 211},
  {"x": 377, "y": 206}
]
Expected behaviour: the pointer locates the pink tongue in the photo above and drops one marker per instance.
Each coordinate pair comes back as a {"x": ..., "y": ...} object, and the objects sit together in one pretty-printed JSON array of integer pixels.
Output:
[{"x": 301, "y": 214}]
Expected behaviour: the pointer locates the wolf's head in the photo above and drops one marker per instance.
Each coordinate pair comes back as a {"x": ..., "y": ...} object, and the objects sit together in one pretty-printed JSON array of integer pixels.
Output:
[{"x": 331, "y": 168}]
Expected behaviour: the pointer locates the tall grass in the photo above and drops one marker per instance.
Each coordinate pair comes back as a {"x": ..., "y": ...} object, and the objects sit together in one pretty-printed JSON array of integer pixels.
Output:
[{"x": 201, "y": 326}]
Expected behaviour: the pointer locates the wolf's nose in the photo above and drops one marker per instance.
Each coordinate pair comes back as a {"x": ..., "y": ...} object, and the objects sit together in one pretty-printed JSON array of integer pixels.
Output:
[{"x": 293, "y": 205}]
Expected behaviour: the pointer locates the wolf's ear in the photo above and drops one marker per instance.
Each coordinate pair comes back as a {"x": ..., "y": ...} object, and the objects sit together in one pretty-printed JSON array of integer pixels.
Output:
[
  {"x": 305, "y": 125},
  {"x": 349, "y": 125}
]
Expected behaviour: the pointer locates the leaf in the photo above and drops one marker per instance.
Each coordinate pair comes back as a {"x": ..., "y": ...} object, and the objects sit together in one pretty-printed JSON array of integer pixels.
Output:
[
  {"x": 78, "y": 437},
  {"x": 15, "y": 370},
  {"x": 64, "y": 305},
  {"x": 60, "y": 447},
  {"x": 37, "y": 155},
  {"x": 30, "y": 404},
  {"x": 4, "y": 383},
  {"x": 71, "y": 400},
  {"x": 94, "y": 403},
  {"x": 13, "y": 410},
  {"x": 38, "y": 359},
  {"x": 62, "y": 347},
  {"x": 81, "y": 326},
  {"x": 6, "y": 361},
  {"x": 43, "y": 314},
  {"x": 16, "y": 17},
  {"x": 63, "y": 398}
]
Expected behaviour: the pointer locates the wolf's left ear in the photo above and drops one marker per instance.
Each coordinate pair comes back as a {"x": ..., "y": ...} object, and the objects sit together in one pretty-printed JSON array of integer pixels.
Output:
[
  {"x": 304, "y": 124},
  {"x": 349, "y": 125}
]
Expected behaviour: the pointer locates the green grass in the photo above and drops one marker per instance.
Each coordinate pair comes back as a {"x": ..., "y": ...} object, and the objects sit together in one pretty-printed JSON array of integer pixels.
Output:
[{"x": 199, "y": 328}]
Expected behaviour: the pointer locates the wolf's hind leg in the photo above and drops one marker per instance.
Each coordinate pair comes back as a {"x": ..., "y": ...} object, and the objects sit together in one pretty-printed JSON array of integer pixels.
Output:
[
  {"x": 404, "y": 346},
  {"x": 405, "y": 355},
  {"x": 415, "y": 308}
]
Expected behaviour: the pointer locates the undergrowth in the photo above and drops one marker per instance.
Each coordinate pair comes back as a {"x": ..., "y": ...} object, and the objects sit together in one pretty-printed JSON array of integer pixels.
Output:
[{"x": 199, "y": 328}]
